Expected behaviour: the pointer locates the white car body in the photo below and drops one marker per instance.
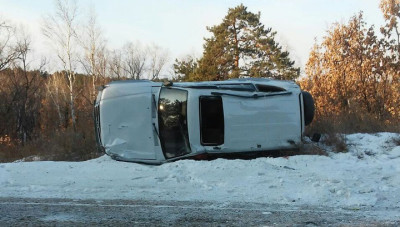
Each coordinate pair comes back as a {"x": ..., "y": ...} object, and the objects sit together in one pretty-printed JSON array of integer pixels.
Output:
[{"x": 148, "y": 122}]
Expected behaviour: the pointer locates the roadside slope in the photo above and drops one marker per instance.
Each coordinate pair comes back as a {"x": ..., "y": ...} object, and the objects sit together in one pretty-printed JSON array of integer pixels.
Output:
[{"x": 366, "y": 176}]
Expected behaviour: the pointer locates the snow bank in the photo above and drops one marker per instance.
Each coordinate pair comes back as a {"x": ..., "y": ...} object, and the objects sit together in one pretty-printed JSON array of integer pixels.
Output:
[{"x": 368, "y": 175}]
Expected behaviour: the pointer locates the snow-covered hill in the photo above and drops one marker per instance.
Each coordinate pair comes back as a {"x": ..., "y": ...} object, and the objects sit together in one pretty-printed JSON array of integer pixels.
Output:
[{"x": 368, "y": 175}]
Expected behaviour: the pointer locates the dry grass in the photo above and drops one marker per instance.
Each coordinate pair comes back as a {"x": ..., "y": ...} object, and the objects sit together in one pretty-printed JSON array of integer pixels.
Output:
[
  {"x": 313, "y": 149},
  {"x": 352, "y": 123},
  {"x": 335, "y": 127},
  {"x": 336, "y": 141},
  {"x": 61, "y": 146}
]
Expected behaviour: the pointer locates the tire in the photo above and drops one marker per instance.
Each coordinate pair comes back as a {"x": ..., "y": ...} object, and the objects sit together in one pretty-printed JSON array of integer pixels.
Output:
[{"x": 309, "y": 108}]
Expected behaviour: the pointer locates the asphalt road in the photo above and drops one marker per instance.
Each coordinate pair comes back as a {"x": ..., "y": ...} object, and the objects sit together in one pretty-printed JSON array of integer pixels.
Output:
[{"x": 67, "y": 212}]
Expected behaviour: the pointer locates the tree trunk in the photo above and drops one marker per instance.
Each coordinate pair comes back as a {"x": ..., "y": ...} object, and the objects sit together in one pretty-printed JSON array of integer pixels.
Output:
[
  {"x": 71, "y": 101},
  {"x": 236, "y": 64}
]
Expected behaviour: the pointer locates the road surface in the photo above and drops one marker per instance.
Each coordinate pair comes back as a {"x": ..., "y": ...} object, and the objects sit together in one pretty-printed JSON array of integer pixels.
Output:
[{"x": 67, "y": 212}]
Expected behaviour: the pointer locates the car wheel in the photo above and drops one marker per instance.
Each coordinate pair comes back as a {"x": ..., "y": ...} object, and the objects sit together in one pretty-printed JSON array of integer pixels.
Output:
[{"x": 309, "y": 108}]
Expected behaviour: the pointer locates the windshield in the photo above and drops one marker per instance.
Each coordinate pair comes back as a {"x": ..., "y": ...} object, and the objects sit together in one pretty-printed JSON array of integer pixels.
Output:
[{"x": 172, "y": 121}]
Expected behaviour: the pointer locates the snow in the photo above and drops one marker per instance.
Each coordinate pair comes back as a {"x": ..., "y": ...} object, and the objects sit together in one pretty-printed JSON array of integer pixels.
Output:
[{"x": 367, "y": 175}]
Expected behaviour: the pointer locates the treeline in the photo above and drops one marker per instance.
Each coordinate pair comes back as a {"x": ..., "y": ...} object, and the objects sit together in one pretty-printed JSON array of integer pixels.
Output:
[
  {"x": 354, "y": 74},
  {"x": 49, "y": 115},
  {"x": 35, "y": 116}
]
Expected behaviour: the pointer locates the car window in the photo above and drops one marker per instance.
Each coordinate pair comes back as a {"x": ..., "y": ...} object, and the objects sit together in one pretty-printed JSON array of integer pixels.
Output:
[
  {"x": 211, "y": 120},
  {"x": 172, "y": 120},
  {"x": 269, "y": 88},
  {"x": 237, "y": 87}
]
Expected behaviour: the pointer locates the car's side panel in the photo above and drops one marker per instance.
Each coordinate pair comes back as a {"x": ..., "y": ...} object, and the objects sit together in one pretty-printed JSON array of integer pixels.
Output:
[
  {"x": 284, "y": 121},
  {"x": 246, "y": 121},
  {"x": 261, "y": 124}
]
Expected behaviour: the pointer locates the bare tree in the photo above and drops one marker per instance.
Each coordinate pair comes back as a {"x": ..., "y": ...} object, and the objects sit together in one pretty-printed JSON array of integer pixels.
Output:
[
  {"x": 135, "y": 57},
  {"x": 56, "y": 92},
  {"x": 115, "y": 64},
  {"x": 94, "y": 61},
  {"x": 159, "y": 58},
  {"x": 32, "y": 83},
  {"x": 102, "y": 64},
  {"x": 60, "y": 29},
  {"x": 7, "y": 47},
  {"x": 23, "y": 86}
]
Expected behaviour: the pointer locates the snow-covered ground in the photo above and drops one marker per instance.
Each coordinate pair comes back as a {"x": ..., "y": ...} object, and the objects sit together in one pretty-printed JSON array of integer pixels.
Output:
[{"x": 367, "y": 175}]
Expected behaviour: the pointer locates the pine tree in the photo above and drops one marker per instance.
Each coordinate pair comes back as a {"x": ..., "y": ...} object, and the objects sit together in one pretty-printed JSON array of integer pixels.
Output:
[
  {"x": 241, "y": 46},
  {"x": 184, "y": 68}
]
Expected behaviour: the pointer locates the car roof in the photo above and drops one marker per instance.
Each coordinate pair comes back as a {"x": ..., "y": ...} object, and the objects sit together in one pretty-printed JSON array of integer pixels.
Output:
[{"x": 287, "y": 85}]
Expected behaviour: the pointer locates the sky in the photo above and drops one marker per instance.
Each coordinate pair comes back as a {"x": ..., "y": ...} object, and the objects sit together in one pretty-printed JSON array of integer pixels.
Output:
[{"x": 180, "y": 25}]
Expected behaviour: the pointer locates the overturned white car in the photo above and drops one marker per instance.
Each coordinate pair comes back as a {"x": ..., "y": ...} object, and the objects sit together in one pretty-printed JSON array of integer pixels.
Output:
[{"x": 150, "y": 122}]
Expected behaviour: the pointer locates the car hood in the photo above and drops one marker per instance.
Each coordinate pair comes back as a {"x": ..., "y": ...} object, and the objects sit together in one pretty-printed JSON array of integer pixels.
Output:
[{"x": 126, "y": 118}]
